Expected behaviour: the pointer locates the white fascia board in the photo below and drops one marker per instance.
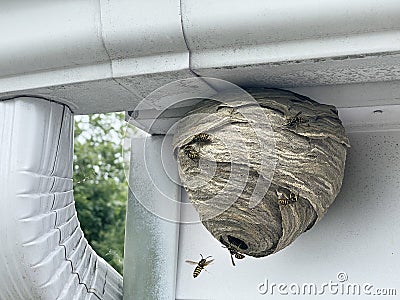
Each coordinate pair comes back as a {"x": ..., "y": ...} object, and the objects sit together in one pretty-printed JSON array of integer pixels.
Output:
[
  {"x": 141, "y": 28},
  {"x": 100, "y": 56},
  {"x": 38, "y": 36},
  {"x": 265, "y": 31},
  {"x": 146, "y": 45},
  {"x": 294, "y": 43}
]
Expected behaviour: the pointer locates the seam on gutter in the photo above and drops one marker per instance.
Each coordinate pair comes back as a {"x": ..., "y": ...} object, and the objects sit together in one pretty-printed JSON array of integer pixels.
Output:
[
  {"x": 72, "y": 267},
  {"x": 186, "y": 40},
  {"x": 108, "y": 53},
  {"x": 55, "y": 211},
  {"x": 54, "y": 199},
  {"x": 58, "y": 147}
]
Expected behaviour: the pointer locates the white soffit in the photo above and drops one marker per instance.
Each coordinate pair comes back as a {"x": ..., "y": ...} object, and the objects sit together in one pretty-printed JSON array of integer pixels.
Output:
[{"x": 106, "y": 55}]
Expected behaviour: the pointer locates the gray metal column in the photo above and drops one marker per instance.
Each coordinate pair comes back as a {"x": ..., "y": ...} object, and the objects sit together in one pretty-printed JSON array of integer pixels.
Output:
[{"x": 151, "y": 242}]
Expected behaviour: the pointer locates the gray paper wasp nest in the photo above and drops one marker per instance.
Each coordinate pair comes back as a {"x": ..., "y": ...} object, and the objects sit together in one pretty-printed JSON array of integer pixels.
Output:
[{"x": 260, "y": 173}]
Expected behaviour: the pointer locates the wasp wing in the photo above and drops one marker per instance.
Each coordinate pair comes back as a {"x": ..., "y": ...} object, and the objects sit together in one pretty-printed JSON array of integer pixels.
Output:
[
  {"x": 208, "y": 262},
  {"x": 192, "y": 262}
]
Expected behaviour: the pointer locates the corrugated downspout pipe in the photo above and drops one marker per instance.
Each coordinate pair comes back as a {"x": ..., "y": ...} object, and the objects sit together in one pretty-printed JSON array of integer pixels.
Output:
[{"x": 44, "y": 254}]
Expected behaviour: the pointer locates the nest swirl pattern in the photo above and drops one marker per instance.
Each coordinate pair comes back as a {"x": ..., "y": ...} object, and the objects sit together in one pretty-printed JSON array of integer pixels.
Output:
[{"x": 295, "y": 145}]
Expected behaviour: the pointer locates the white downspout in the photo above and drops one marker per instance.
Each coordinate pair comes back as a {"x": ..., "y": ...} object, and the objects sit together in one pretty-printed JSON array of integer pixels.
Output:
[{"x": 44, "y": 254}]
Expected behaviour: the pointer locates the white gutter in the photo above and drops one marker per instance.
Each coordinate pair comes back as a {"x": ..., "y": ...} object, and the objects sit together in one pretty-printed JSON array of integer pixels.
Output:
[
  {"x": 99, "y": 56},
  {"x": 91, "y": 55}
]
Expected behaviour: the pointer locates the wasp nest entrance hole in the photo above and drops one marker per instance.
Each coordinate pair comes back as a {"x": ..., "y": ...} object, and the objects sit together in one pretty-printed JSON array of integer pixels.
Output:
[
  {"x": 261, "y": 171},
  {"x": 233, "y": 241}
]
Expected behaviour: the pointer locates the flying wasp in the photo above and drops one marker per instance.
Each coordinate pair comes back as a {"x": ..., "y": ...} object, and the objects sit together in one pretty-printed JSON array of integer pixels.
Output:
[
  {"x": 191, "y": 152},
  {"x": 234, "y": 253},
  {"x": 283, "y": 199},
  {"x": 202, "y": 138},
  {"x": 295, "y": 121},
  {"x": 201, "y": 264}
]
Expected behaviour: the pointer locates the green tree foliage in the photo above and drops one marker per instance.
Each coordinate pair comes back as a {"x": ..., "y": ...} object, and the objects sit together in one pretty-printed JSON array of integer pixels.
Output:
[{"x": 100, "y": 187}]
